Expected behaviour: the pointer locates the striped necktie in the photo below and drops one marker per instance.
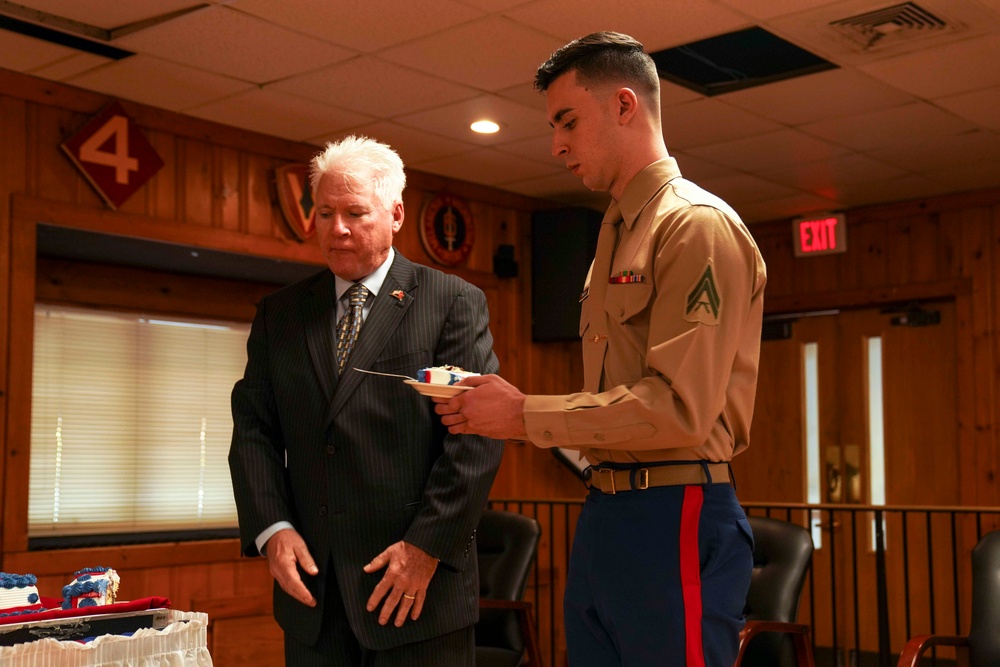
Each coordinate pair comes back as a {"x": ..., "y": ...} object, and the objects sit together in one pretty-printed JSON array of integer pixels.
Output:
[{"x": 350, "y": 324}]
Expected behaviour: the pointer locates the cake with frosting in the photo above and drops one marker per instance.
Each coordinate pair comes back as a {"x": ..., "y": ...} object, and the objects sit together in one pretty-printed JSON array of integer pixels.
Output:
[
  {"x": 443, "y": 374},
  {"x": 91, "y": 587},
  {"x": 18, "y": 592}
]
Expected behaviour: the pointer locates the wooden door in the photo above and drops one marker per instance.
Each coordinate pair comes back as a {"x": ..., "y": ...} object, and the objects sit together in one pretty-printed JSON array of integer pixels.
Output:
[{"x": 874, "y": 382}]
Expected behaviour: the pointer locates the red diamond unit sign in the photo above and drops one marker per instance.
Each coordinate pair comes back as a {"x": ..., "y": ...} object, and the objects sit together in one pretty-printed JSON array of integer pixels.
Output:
[{"x": 113, "y": 154}]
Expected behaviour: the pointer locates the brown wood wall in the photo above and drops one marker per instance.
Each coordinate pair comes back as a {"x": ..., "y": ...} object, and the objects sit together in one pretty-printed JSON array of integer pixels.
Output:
[{"x": 215, "y": 192}]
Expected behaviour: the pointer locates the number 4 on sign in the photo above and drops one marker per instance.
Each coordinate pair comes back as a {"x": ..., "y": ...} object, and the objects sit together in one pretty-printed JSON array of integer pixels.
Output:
[{"x": 92, "y": 149}]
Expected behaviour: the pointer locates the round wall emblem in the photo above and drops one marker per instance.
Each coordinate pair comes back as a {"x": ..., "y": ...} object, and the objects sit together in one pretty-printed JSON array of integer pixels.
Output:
[{"x": 446, "y": 229}]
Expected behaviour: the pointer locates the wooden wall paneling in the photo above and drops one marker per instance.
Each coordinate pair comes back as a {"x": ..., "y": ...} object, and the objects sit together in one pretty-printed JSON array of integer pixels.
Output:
[
  {"x": 12, "y": 151},
  {"x": 73, "y": 283},
  {"x": 124, "y": 224},
  {"x": 18, "y": 427},
  {"x": 262, "y": 215},
  {"x": 899, "y": 251},
  {"x": 927, "y": 262},
  {"x": 196, "y": 176},
  {"x": 226, "y": 189},
  {"x": 158, "y": 193},
  {"x": 774, "y": 242},
  {"x": 976, "y": 260}
]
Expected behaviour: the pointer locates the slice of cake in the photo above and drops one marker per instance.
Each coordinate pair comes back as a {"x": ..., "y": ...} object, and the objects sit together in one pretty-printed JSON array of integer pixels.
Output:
[
  {"x": 91, "y": 587},
  {"x": 18, "y": 591},
  {"x": 443, "y": 374}
]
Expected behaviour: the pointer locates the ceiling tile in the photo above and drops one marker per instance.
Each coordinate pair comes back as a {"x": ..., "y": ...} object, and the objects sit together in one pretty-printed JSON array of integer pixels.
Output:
[
  {"x": 67, "y": 68},
  {"x": 831, "y": 177},
  {"x": 108, "y": 15},
  {"x": 453, "y": 120},
  {"x": 767, "y": 151},
  {"x": 671, "y": 94},
  {"x": 278, "y": 114},
  {"x": 768, "y": 9},
  {"x": 525, "y": 94},
  {"x": 21, "y": 54},
  {"x": 412, "y": 145},
  {"x": 533, "y": 148},
  {"x": 934, "y": 153},
  {"x": 227, "y": 42},
  {"x": 889, "y": 127},
  {"x": 736, "y": 189},
  {"x": 709, "y": 121},
  {"x": 489, "y": 54},
  {"x": 980, "y": 106},
  {"x": 651, "y": 22},
  {"x": 817, "y": 96},
  {"x": 158, "y": 83},
  {"x": 784, "y": 207},
  {"x": 696, "y": 169},
  {"x": 366, "y": 26},
  {"x": 947, "y": 70},
  {"x": 374, "y": 87},
  {"x": 969, "y": 176},
  {"x": 564, "y": 188},
  {"x": 487, "y": 166}
]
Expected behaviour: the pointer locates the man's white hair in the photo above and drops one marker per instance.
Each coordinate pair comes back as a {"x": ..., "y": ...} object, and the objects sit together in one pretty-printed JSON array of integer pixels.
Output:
[{"x": 357, "y": 158}]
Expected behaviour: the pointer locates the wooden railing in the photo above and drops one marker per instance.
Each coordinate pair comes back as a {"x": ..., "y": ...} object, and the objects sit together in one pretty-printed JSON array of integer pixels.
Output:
[{"x": 880, "y": 574}]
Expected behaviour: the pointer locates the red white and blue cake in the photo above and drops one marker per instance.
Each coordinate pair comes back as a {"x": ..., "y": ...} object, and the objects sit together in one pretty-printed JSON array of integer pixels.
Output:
[
  {"x": 443, "y": 375},
  {"x": 91, "y": 587},
  {"x": 18, "y": 592}
]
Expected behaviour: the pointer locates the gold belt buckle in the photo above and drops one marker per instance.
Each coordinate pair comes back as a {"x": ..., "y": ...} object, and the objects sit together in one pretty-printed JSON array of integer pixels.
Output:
[
  {"x": 610, "y": 487},
  {"x": 642, "y": 478}
]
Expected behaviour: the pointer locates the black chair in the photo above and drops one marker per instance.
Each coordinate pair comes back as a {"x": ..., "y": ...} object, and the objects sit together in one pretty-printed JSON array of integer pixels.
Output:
[
  {"x": 505, "y": 634},
  {"x": 982, "y": 645},
  {"x": 781, "y": 556}
]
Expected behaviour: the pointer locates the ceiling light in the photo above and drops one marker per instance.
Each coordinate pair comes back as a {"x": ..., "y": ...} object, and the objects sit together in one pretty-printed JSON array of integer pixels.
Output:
[{"x": 485, "y": 127}]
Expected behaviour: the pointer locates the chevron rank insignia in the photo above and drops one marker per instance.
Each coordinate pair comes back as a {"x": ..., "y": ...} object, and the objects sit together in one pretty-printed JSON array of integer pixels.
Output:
[{"x": 703, "y": 302}]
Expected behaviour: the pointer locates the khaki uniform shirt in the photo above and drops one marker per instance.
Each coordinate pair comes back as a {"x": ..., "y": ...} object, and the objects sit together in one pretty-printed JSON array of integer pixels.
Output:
[{"x": 670, "y": 362}]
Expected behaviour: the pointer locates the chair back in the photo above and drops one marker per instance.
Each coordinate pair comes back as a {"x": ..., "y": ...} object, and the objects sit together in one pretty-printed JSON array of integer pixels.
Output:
[
  {"x": 506, "y": 544},
  {"x": 984, "y": 640},
  {"x": 782, "y": 553}
]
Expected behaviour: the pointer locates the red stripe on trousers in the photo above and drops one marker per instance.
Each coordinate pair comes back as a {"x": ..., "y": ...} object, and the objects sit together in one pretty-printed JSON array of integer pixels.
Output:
[{"x": 690, "y": 563}]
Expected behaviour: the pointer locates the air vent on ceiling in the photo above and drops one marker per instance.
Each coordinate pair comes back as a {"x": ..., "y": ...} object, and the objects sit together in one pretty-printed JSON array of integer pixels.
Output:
[{"x": 888, "y": 27}]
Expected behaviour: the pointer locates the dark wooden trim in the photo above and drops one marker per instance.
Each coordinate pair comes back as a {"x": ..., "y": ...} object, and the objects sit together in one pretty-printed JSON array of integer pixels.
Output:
[
  {"x": 866, "y": 298},
  {"x": 143, "y": 556}
]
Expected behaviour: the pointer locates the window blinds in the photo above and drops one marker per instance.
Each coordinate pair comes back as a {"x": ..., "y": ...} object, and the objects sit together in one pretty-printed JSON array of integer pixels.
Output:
[{"x": 131, "y": 422}]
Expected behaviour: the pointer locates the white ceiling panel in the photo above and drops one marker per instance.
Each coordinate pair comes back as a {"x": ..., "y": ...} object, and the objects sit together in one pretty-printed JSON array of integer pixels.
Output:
[
  {"x": 488, "y": 167},
  {"x": 375, "y": 87},
  {"x": 489, "y": 54},
  {"x": 412, "y": 145},
  {"x": 794, "y": 101},
  {"x": 282, "y": 115},
  {"x": 159, "y": 83},
  {"x": 365, "y": 26},
  {"x": 943, "y": 71},
  {"x": 108, "y": 14},
  {"x": 230, "y": 43},
  {"x": 23, "y": 54},
  {"x": 709, "y": 121},
  {"x": 656, "y": 24},
  {"x": 911, "y": 114},
  {"x": 763, "y": 152},
  {"x": 516, "y": 121},
  {"x": 979, "y": 106}
]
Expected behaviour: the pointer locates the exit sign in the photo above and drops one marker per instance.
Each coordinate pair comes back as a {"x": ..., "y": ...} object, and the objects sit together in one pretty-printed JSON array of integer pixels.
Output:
[{"x": 820, "y": 234}]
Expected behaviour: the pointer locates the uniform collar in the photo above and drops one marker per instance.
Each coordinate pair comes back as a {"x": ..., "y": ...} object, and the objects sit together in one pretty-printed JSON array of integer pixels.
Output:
[{"x": 644, "y": 186}]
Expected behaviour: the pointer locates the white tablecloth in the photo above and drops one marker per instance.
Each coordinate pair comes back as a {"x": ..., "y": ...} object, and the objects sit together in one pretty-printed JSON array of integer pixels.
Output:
[{"x": 183, "y": 643}]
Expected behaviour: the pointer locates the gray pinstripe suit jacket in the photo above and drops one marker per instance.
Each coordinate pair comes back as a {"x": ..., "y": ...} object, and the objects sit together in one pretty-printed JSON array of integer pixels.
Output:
[{"x": 368, "y": 461}]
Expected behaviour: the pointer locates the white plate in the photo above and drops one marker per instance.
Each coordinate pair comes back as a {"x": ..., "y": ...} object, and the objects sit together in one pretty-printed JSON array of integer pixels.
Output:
[{"x": 439, "y": 390}]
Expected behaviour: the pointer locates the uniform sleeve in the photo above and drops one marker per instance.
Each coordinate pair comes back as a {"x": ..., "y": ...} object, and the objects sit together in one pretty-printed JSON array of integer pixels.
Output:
[{"x": 706, "y": 274}]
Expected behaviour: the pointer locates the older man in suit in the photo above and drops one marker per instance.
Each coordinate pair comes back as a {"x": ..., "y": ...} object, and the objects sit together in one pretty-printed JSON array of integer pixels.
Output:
[{"x": 364, "y": 505}]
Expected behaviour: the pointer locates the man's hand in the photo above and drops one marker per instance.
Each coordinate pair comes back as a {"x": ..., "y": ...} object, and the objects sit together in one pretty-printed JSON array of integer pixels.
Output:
[
  {"x": 495, "y": 409},
  {"x": 404, "y": 584},
  {"x": 286, "y": 552}
]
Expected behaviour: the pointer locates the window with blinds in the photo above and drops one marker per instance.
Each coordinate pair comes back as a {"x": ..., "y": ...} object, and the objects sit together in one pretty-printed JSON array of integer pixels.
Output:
[{"x": 131, "y": 422}]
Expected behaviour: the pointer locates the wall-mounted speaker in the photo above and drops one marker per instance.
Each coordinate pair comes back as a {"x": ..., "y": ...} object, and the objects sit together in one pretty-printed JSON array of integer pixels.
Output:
[{"x": 563, "y": 242}]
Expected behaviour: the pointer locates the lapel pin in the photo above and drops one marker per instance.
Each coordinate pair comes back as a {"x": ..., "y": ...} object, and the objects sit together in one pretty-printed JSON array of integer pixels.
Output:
[
  {"x": 398, "y": 293},
  {"x": 597, "y": 338}
]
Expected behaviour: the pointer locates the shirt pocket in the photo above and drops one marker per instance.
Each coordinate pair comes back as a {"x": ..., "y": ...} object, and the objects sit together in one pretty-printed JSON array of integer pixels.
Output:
[{"x": 625, "y": 301}]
